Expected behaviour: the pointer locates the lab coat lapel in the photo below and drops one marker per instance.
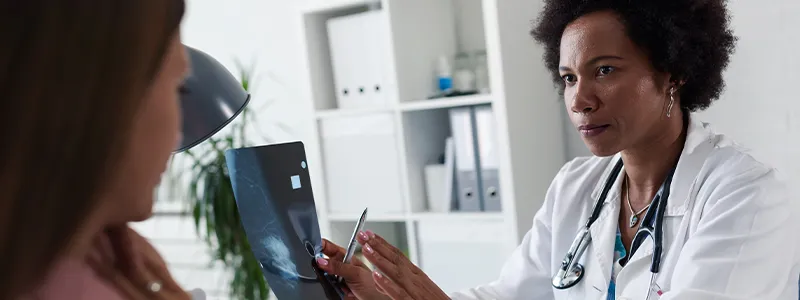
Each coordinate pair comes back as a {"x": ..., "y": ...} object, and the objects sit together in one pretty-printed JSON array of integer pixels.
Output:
[
  {"x": 634, "y": 279},
  {"x": 603, "y": 231},
  {"x": 698, "y": 145}
]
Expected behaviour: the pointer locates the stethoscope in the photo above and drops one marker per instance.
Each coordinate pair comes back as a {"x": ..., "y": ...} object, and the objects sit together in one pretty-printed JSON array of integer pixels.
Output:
[{"x": 571, "y": 272}]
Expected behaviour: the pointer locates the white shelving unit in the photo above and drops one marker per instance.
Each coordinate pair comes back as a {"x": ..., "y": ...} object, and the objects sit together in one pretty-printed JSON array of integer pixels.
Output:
[{"x": 526, "y": 107}]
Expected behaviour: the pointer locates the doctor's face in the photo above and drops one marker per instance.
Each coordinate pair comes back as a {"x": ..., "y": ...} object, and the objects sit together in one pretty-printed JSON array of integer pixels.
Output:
[{"x": 613, "y": 95}]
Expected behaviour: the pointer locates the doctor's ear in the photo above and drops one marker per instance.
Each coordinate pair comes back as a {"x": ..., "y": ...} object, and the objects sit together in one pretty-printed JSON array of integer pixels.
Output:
[{"x": 675, "y": 85}]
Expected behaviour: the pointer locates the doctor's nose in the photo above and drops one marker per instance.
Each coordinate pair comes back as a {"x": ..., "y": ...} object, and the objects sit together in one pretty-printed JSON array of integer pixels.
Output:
[{"x": 583, "y": 100}]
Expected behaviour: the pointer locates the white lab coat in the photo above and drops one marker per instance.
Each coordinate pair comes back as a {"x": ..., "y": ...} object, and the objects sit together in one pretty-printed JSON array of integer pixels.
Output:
[{"x": 730, "y": 232}]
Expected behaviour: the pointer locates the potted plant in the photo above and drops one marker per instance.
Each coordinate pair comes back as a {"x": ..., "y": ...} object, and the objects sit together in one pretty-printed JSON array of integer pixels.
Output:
[{"x": 212, "y": 205}]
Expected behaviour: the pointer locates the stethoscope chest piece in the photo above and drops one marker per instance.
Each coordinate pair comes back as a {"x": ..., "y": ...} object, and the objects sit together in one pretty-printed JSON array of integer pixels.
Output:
[{"x": 567, "y": 279}]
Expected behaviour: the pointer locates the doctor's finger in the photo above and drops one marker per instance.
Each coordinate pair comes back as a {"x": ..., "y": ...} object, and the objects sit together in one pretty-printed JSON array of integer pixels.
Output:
[
  {"x": 352, "y": 274},
  {"x": 335, "y": 252},
  {"x": 331, "y": 249},
  {"x": 371, "y": 241},
  {"x": 390, "y": 288},
  {"x": 348, "y": 294},
  {"x": 399, "y": 273}
]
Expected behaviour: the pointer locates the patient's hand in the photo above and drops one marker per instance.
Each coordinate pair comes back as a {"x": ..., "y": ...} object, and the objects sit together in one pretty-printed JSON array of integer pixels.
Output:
[
  {"x": 356, "y": 274},
  {"x": 398, "y": 277}
]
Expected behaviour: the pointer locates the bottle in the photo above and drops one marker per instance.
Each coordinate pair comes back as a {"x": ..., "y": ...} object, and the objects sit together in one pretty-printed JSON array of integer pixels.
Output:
[
  {"x": 444, "y": 75},
  {"x": 481, "y": 72},
  {"x": 464, "y": 78}
]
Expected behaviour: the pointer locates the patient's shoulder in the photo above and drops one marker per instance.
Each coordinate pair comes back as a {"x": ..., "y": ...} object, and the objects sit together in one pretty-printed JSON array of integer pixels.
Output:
[{"x": 72, "y": 279}]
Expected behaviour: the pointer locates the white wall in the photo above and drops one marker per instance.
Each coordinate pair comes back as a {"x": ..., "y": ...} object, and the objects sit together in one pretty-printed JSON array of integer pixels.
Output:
[{"x": 759, "y": 106}]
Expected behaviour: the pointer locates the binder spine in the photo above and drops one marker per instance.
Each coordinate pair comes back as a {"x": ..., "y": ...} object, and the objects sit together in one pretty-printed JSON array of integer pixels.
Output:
[{"x": 476, "y": 153}]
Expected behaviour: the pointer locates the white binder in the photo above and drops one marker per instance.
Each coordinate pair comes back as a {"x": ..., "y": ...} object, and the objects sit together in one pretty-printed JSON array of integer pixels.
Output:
[
  {"x": 467, "y": 180},
  {"x": 360, "y": 57},
  {"x": 486, "y": 132}
]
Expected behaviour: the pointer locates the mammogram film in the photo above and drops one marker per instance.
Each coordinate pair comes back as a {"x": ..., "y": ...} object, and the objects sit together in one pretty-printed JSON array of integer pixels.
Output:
[{"x": 273, "y": 193}]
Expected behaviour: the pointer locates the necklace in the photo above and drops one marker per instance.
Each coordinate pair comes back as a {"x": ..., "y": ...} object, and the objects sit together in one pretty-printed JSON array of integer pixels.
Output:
[{"x": 634, "y": 215}]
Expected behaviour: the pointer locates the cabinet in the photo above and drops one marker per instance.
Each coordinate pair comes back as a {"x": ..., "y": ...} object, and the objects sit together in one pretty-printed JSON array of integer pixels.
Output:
[{"x": 527, "y": 116}]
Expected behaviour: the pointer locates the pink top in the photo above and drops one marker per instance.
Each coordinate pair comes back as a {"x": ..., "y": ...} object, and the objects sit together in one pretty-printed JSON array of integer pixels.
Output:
[{"x": 74, "y": 280}]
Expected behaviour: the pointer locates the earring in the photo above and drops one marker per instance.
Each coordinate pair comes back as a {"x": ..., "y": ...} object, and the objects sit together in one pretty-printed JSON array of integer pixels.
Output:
[{"x": 671, "y": 101}]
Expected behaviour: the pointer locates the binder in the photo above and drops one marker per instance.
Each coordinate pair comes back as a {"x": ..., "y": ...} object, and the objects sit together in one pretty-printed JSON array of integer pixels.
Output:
[
  {"x": 489, "y": 163},
  {"x": 467, "y": 180},
  {"x": 360, "y": 57},
  {"x": 450, "y": 191}
]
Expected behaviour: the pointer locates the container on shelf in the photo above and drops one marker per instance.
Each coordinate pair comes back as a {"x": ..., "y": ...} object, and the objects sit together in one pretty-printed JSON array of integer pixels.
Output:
[
  {"x": 360, "y": 57},
  {"x": 481, "y": 72},
  {"x": 435, "y": 181},
  {"x": 444, "y": 74},
  {"x": 464, "y": 76}
]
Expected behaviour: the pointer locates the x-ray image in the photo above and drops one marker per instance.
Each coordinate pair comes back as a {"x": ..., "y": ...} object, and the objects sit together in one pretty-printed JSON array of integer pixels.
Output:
[{"x": 273, "y": 193}]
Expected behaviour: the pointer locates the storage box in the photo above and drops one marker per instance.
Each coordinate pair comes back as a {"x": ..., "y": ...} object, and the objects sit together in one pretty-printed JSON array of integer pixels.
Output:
[
  {"x": 362, "y": 167},
  {"x": 435, "y": 188},
  {"x": 361, "y": 58}
]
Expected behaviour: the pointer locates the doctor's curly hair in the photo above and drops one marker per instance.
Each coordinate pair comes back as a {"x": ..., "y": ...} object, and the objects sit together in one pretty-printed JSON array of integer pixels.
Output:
[{"x": 689, "y": 39}]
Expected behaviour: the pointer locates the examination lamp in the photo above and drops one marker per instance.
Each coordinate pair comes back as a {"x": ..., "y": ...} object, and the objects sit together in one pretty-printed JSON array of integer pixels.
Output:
[{"x": 211, "y": 97}]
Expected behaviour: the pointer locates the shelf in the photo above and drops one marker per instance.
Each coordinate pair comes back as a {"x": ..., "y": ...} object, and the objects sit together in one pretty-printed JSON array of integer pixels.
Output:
[
  {"x": 339, "y": 113},
  {"x": 416, "y": 105},
  {"x": 374, "y": 218},
  {"x": 448, "y": 102},
  {"x": 473, "y": 216},
  {"x": 330, "y": 5}
]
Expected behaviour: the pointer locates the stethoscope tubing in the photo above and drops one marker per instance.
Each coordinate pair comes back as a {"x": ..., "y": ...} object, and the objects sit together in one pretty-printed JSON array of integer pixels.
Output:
[
  {"x": 598, "y": 206},
  {"x": 651, "y": 226}
]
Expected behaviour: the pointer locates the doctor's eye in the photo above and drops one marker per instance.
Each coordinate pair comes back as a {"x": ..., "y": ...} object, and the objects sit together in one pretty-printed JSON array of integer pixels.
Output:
[
  {"x": 605, "y": 70},
  {"x": 569, "y": 79}
]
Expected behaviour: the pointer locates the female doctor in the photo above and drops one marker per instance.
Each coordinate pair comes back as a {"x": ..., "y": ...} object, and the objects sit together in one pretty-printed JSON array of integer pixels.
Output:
[{"x": 632, "y": 73}]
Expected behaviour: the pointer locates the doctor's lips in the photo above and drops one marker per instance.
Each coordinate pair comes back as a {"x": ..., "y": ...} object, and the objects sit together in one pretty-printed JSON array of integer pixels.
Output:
[{"x": 590, "y": 130}]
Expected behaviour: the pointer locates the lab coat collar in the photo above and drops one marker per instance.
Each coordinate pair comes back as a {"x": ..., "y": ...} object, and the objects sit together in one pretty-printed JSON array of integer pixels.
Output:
[{"x": 698, "y": 144}]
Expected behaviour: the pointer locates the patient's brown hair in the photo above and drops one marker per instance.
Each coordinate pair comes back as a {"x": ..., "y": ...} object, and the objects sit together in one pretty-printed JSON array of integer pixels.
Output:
[{"x": 72, "y": 75}]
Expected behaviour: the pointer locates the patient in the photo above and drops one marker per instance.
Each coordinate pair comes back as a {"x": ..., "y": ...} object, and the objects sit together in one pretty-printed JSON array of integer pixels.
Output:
[{"x": 90, "y": 114}]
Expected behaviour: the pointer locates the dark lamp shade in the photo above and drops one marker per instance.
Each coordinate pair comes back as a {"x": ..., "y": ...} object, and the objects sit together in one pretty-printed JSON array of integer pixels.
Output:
[{"x": 211, "y": 97}]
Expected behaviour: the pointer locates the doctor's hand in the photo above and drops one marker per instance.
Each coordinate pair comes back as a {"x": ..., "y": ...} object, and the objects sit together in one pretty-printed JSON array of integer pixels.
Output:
[
  {"x": 356, "y": 274},
  {"x": 396, "y": 276}
]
